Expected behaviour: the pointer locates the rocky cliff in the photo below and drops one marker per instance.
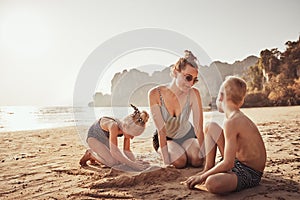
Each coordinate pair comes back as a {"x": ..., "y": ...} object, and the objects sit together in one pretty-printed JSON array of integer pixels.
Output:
[{"x": 132, "y": 86}]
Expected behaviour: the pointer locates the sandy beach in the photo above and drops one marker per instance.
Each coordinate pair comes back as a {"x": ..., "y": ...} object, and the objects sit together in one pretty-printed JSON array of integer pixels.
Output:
[{"x": 44, "y": 164}]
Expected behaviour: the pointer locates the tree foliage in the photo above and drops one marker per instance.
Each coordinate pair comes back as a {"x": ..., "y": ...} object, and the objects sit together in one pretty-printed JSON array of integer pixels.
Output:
[{"x": 276, "y": 76}]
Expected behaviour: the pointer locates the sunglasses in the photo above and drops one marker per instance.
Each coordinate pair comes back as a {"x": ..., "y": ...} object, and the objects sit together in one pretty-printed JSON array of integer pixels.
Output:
[
  {"x": 189, "y": 78},
  {"x": 137, "y": 112}
]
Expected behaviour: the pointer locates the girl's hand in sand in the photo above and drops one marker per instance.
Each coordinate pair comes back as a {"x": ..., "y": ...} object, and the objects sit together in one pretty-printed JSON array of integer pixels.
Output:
[
  {"x": 140, "y": 166},
  {"x": 194, "y": 180},
  {"x": 143, "y": 164},
  {"x": 147, "y": 164}
]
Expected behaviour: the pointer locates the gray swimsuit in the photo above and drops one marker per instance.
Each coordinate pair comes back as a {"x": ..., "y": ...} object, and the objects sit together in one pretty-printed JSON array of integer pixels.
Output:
[
  {"x": 101, "y": 135},
  {"x": 183, "y": 130}
]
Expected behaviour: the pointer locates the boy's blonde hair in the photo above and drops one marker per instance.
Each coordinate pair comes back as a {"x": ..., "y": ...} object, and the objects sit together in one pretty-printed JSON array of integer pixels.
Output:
[{"x": 235, "y": 89}]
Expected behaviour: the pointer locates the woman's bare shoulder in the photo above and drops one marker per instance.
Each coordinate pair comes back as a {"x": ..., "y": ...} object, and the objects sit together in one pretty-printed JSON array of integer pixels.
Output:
[
  {"x": 156, "y": 90},
  {"x": 195, "y": 96},
  {"x": 195, "y": 91}
]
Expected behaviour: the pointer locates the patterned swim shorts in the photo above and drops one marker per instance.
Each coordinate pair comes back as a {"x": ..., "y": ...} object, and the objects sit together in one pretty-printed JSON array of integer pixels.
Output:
[{"x": 247, "y": 177}]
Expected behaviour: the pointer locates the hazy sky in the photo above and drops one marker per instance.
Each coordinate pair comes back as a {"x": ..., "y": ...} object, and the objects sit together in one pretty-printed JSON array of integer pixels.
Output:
[{"x": 43, "y": 44}]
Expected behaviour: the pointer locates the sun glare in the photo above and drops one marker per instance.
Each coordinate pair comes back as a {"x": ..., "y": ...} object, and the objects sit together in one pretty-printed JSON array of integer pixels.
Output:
[{"x": 24, "y": 33}]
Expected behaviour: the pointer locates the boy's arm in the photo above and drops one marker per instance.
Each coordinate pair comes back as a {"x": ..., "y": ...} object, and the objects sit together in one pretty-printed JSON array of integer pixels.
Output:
[{"x": 230, "y": 134}]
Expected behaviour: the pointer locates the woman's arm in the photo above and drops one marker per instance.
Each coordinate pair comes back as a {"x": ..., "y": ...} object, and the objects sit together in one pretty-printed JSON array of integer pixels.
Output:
[
  {"x": 163, "y": 146},
  {"x": 198, "y": 116},
  {"x": 154, "y": 102}
]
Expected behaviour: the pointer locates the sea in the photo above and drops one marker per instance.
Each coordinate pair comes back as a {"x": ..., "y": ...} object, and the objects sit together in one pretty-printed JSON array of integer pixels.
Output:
[{"x": 19, "y": 118}]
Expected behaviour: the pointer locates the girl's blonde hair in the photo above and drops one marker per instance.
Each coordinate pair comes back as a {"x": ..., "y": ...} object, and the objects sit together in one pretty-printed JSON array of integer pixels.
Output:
[{"x": 135, "y": 124}]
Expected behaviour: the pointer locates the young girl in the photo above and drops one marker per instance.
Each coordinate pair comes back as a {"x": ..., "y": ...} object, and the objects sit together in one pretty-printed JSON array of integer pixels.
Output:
[
  {"x": 176, "y": 138},
  {"x": 103, "y": 140}
]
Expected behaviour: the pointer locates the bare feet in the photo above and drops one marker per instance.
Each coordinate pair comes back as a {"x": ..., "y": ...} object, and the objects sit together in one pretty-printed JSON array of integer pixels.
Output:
[
  {"x": 93, "y": 162},
  {"x": 86, "y": 157}
]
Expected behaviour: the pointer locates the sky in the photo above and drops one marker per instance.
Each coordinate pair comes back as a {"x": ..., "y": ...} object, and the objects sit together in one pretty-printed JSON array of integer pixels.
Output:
[{"x": 45, "y": 43}]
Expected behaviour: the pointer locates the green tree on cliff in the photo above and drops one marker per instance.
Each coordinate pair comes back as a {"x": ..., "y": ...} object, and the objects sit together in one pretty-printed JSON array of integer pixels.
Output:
[{"x": 276, "y": 75}]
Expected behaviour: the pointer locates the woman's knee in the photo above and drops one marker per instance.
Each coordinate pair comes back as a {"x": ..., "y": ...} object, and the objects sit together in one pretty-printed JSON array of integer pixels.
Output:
[
  {"x": 180, "y": 162},
  {"x": 195, "y": 158},
  {"x": 196, "y": 161},
  {"x": 177, "y": 154}
]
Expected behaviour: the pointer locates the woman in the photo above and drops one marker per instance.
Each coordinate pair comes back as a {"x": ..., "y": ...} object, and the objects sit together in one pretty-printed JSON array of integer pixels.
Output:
[
  {"x": 103, "y": 140},
  {"x": 176, "y": 138}
]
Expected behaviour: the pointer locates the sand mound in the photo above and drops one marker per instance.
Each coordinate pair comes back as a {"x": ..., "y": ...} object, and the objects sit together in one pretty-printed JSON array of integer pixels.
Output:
[{"x": 144, "y": 178}]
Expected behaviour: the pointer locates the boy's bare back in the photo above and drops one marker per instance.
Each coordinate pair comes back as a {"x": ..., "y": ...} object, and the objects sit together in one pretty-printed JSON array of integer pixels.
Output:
[{"x": 250, "y": 148}]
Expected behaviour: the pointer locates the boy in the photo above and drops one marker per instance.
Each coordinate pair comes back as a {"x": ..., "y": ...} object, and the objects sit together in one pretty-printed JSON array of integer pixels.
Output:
[{"x": 240, "y": 144}]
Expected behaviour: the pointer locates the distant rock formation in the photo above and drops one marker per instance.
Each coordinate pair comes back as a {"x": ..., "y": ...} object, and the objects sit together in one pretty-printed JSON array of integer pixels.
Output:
[
  {"x": 132, "y": 86},
  {"x": 237, "y": 68},
  {"x": 100, "y": 100}
]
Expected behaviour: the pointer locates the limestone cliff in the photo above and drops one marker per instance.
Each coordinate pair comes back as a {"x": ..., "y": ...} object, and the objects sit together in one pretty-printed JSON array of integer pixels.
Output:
[{"x": 132, "y": 86}]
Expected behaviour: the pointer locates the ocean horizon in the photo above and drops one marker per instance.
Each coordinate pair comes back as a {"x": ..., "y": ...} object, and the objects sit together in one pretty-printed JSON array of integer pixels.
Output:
[{"x": 20, "y": 118}]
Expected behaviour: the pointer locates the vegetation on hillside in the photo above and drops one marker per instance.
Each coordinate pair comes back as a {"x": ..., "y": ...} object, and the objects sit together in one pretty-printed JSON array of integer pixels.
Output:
[{"x": 274, "y": 79}]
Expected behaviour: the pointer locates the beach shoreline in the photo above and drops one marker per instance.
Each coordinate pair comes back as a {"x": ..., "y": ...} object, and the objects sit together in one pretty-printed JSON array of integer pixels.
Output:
[{"x": 44, "y": 164}]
